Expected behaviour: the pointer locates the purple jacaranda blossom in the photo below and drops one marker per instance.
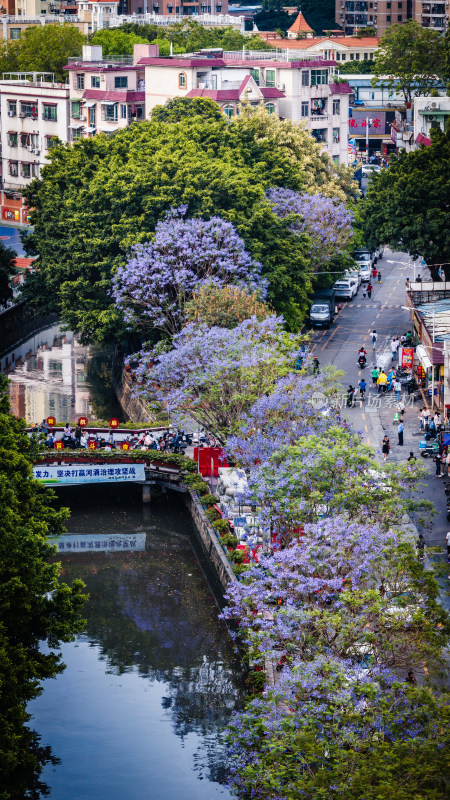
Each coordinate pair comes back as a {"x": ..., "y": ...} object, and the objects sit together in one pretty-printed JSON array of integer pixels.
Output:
[
  {"x": 326, "y": 221},
  {"x": 161, "y": 275},
  {"x": 213, "y": 375}
]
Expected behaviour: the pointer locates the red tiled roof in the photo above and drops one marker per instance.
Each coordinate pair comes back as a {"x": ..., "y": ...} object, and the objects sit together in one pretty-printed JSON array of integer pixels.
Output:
[
  {"x": 114, "y": 97},
  {"x": 347, "y": 41},
  {"x": 421, "y": 139},
  {"x": 272, "y": 92},
  {"x": 300, "y": 25},
  {"x": 341, "y": 88},
  {"x": 23, "y": 263}
]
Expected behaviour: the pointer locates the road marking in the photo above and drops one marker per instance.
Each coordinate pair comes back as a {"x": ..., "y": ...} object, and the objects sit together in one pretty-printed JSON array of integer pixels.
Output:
[
  {"x": 329, "y": 340},
  {"x": 366, "y": 428}
]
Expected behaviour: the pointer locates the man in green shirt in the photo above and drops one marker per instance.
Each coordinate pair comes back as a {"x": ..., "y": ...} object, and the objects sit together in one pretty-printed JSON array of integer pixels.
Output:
[{"x": 375, "y": 374}]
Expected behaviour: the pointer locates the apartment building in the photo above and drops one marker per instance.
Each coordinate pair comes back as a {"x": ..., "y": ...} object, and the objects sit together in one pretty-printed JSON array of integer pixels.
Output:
[
  {"x": 106, "y": 94},
  {"x": 34, "y": 111},
  {"x": 432, "y": 15},
  {"x": 379, "y": 14},
  {"x": 302, "y": 91},
  {"x": 185, "y": 8}
]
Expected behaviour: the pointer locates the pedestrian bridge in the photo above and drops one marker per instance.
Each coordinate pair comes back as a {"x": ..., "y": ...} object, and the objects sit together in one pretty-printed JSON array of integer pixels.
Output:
[{"x": 80, "y": 470}]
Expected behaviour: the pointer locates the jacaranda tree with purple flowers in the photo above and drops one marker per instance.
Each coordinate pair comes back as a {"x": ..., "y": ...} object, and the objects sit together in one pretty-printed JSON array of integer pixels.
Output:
[
  {"x": 333, "y": 731},
  {"x": 326, "y": 220},
  {"x": 185, "y": 254},
  {"x": 214, "y": 375}
]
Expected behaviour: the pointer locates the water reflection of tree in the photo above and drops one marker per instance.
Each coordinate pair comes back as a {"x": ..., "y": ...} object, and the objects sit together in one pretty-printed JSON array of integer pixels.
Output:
[
  {"x": 99, "y": 370},
  {"x": 153, "y": 612}
]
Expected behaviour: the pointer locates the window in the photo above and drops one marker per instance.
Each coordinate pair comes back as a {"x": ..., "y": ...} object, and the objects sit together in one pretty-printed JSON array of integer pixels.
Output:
[
  {"x": 12, "y": 108},
  {"x": 28, "y": 110},
  {"x": 399, "y": 17},
  {"x": 25, "y": 170},
  {"x": 255, "y": 75},
  {"x": 92, "y": 117},
  {"x": 25, "y": 140},
  {"x": 51, "y": 142},
  {"x": 357, "y": 56},
  {"x": 228, "y": 111},
  {"x": 137, "y": 112},
  {"x": 203, "y": 7},
  {"x": 169, "y": 9},
  {"x": 123, "y": 112},
  {"x": 343, "y": 57},
  {"x": 270, "y": 108},
  {"x": 319, "y": 76},
  {"x": 76, "y": 109},
  {"x": 400, "y": 5},
  {"x": 120, "y": 82},
  {"x": 336, "y": 136},
  {"x": 270, "y": 78},
  {"x": 388, "y": 5},
  {"x": 76, "y": 134},
  {"x": 388, "y": 17},
  {"x": 109, "y": 113},
  {"x": 219, "y": 7},
  {"x": 352, "y": 57},
  {"x": 12, "y": 139},
  {"x": 50, "y": 112},
  {"x": 320, "y": 134},
  {"x": 181, "y": 80},
  {"x": 95, "y": 81},
  {"x": 14, "y": 33},
  {"x": 13, "y": 168},
  {"x": 79, "y": 84},
  {"x": 371, "y": 95},
  {"x": 305, "y": 77},
  {"x": 336, "y": 107},
  {"x": 305, "y": 110}
]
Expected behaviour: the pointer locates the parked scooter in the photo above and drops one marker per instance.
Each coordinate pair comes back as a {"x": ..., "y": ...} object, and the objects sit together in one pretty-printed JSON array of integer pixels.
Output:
[{"x": 428, "y": 448}]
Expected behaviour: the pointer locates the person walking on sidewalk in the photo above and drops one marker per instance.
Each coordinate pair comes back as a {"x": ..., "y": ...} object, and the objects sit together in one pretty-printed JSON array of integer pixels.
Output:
[
  {"x": 379, "y": 276},
  {"x": 397, "y": 388},
  {"x": 385, "y": 447},
  {"x": 374, "y": 339},
  {"x": 394, "y": 346},
  {"x": 375, "y": 374},
  {"x": 400, "y": 430},
  {"x": 362, "y": 388},
  {"x": 369, "y": 290},
  {"x": 364, "y": 292},
  {"x": 438, "y": 462}
]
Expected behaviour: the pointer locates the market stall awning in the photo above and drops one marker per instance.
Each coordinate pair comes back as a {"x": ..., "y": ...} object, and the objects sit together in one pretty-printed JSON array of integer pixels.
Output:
[{"x": 422, "y": 355}]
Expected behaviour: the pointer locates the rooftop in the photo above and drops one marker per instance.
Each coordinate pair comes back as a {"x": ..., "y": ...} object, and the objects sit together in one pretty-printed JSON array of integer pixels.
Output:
[{"x": 300, "y": 25}]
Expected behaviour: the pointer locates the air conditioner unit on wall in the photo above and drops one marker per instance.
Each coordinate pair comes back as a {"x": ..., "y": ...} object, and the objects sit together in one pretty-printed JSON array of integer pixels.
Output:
[
  {"x": 11, "y": 114},
  {"x": 281, "y": 87}
]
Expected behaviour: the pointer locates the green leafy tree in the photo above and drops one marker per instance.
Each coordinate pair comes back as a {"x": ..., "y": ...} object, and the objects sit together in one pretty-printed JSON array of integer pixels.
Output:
[
  {"x": 35, "y": 608},
  {"x": 100, "y": 197},
  {"x": 46, "y": 48},
  {"x": 411, "y": 57},
  {"x": 319, "y": 14},
  {"x": 115, "y": 41},
  {"x": 406, "y": 206},
  {"x": 7, "y": 270},
  {"x": 181, "y": 107},
  {"x": 357, "y": 67}
]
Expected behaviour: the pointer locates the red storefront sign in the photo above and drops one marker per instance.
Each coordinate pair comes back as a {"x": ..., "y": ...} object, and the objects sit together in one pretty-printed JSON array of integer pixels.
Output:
[{"x": 407, "y": 358}]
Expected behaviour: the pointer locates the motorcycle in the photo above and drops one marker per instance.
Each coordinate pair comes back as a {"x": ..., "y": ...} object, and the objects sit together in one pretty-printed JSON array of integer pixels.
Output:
[
  {"x": 362, "y": 361},
  {"x": 428, "y": 448}
]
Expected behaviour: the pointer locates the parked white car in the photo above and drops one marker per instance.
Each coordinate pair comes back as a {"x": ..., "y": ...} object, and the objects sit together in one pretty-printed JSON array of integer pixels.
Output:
[
  {"x": 370, "y": 169},
  {"x": 353, "y": 274},
  {"x": 345, "y": 288},
  {"x": 364, "y": 258}
]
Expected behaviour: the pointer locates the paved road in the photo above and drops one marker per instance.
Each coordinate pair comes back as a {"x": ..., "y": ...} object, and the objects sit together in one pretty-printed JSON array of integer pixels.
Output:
[{"x": 374, "y": 418}]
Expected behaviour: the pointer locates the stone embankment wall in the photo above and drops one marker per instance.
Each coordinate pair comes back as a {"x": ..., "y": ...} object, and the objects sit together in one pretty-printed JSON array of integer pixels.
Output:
[
  {"x": 124, "y": 388},
  {"x": 19, "y": 322},
  {"x": 210, "y": 544}
]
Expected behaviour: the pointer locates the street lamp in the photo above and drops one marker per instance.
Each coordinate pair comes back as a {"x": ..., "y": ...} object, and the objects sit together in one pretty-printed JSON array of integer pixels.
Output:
[{"x": 369, "y": 122}]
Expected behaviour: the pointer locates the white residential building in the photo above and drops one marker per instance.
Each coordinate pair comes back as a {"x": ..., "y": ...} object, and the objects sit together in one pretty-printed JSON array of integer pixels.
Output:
[
  {"x": 106, "y": 94},
  {"x": 302, "y": 91},
  {"x": 34, "y": 113}
]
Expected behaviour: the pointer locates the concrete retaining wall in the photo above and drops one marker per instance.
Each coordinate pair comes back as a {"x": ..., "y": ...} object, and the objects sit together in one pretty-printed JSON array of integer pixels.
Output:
[{"x": 210, "y": 544}]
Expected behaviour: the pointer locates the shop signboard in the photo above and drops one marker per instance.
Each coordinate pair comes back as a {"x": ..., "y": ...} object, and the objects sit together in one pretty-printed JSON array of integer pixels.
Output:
[
  {"x": 407, "y": 357},
  {"x": 65, "y": 475},
  {"x": 11, "y": 214},
  {"x": 357, "y": 123}
]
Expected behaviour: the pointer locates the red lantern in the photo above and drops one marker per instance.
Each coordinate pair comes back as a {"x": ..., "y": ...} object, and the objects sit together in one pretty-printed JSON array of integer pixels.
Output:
[
  {"x": 92, "y": 445},
  {"x": 114, "y": 423},
  {"x": 51, "y": 421},
  {"x": 124, "y": 445},
  {"x": 82, "y": 421},
  {"x": 58, "y": 445}
]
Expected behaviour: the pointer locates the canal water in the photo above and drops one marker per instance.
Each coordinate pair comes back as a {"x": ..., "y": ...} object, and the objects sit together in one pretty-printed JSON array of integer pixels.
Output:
[{"x": 153, "y": 678}]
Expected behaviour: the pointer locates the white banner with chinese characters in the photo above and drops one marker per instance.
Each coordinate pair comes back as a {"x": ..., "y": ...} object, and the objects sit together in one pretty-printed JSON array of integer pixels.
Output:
[
  {"x": 99, "y": 542},
  {"x": 81, "y": 473}
]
